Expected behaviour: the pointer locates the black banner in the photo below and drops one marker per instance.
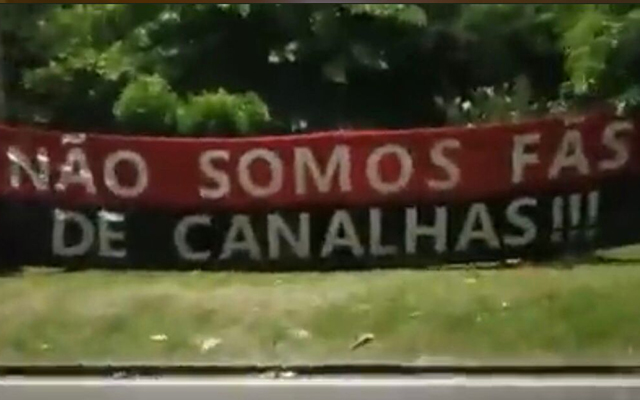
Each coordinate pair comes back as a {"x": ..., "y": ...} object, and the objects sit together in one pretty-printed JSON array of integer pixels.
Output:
[{"x": 526, "y": 226}]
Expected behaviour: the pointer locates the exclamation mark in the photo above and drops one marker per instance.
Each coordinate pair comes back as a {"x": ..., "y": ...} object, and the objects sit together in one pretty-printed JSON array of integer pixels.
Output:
[
  {"x": 558, "y": 220},
  {"x": 575, "y": 202},
  {"x": 593, "y": 205}
]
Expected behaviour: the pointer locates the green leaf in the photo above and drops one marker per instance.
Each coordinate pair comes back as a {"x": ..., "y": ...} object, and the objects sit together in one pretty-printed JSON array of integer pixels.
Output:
[
  {"x": 369, "y": 56},
  {"x": 413, "y": 15},
  {"x": 240, "y": 9},
  {"x": 408, "y": 14},
  {"x": 522, "y": 95},
  {"x": 335, "y": 70}
]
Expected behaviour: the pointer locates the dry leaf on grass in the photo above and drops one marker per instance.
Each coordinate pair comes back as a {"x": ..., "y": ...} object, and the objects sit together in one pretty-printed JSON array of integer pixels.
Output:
[
  {"x": 209, "y": 344},
  {"x": 363, "y": 340},
  {"x": 160, "y": 337}
]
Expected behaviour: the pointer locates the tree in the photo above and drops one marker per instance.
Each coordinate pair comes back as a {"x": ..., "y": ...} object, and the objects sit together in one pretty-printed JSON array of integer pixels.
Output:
[
  {"x": 318, "y": 66},
  {"x": 284, "y": 54},
  {"x": 601, "y": 52},
  {"x": 17, "y": 53}
]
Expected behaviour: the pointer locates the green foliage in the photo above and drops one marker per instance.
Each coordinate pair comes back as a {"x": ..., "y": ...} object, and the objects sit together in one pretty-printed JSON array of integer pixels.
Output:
[
  {"x": 409, "y": 14},
  {"x": 18, "y": 52},
  {"x": 91, "y": 53},
  {"x": 242, "y": 10},
  {"x": 596, "y": 40},
  {"x": 329, "y": 65},
  {"x": 147, "y": 104},
  {"x": 222, "y": 113},
  {"x": 504, "y": 103},
  {"x": 509, "y": 40},
  {"x": 588, "y": 35}
]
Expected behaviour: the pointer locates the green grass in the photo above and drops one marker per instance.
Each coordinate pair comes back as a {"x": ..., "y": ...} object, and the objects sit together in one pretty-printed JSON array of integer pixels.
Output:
[{"x": 590, "y": 313}]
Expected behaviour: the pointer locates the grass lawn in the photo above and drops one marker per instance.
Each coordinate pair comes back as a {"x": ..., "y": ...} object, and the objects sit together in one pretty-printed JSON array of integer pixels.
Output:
[{"x": 590, "y": 313}]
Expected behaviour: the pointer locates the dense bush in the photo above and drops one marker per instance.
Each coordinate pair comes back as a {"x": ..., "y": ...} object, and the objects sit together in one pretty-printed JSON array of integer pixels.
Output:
[
  {"x": 223, "y": 114},
  {"x": 147, "y": 104}
]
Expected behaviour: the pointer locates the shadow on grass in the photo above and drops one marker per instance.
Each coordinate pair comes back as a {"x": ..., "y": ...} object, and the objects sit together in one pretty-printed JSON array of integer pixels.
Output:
[
  {"x": 614, "y": 260},
  {"x": 10, "y": 271},
  {"x": 562, "y": 262}
]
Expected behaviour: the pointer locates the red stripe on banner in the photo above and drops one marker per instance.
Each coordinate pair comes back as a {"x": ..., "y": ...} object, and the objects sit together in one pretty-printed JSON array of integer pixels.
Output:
[{"x": 340, "y": 168}]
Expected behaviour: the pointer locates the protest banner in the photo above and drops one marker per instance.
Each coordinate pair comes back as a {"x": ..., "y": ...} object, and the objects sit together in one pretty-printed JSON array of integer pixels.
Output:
[{"x": 364, "y": 198}]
